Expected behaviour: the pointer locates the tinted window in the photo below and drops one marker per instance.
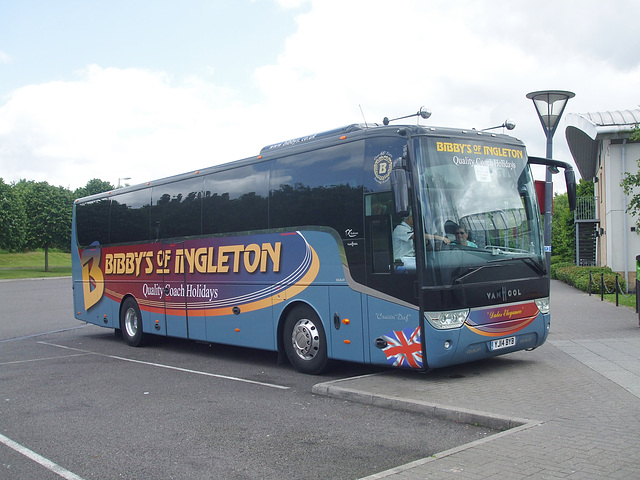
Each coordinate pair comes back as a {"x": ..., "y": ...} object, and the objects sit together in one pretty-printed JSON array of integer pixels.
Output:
[
  {"x": 177, "y": 209},
  {"x": 321, "y": 187},
  {"x": 130, "y": 216},
  {"x": 236, "y": 200},
  {"x": 92, "y": 222},
  {"x": 379, "y": 155}
]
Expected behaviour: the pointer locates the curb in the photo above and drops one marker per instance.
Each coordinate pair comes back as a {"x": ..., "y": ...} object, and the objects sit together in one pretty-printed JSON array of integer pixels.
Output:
[
  {"x": 461, "y": 415},
  {"x": 507, "y": 425}
]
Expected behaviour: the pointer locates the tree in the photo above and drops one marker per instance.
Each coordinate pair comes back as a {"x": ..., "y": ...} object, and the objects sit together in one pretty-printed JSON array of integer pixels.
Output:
[
  {"x": 38, "y": 215},
  {"x": 585, "y": 188},
  {"x": 630, "y": 182},
  {"x": 48, "y": 216},
  {"x": 12, "y": 219},
  {"x": 563, "y": 229},
  {"x": 93, "y": 186}
]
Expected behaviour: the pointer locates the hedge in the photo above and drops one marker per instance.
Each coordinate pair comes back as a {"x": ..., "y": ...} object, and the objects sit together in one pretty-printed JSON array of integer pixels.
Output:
[{"x": 579, "y": 277}]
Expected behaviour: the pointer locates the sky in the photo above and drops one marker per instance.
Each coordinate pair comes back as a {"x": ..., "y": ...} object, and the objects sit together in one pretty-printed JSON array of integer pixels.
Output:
[{"x": 129, "y": 91}]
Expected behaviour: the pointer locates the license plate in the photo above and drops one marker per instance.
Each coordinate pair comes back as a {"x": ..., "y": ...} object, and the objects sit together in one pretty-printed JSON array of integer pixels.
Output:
[{"x": 503, "y": 343}]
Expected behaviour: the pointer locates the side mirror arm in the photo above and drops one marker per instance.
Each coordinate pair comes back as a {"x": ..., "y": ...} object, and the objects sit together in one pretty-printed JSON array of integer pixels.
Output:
[{"x": 569, "y": 175}]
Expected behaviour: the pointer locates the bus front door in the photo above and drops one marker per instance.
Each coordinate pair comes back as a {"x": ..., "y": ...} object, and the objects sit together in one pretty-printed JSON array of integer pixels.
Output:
[{"x": 172, "y": 263}]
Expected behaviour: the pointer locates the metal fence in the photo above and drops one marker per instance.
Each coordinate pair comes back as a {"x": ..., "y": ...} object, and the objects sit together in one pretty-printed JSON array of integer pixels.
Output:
[{"x": 586, "y": 208}]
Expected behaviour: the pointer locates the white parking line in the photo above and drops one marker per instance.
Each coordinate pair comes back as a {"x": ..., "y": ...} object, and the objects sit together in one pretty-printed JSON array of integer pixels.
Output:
[
  {"x": 169, "y": 367},
  {"x": 17, "y": 339},
  {"x": 43, "y": 359},
  {"x": 45, "y": 462}
]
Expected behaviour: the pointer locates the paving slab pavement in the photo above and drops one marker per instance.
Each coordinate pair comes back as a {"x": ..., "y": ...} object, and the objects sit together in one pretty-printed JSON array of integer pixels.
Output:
[{"x": 569, "y": 409}]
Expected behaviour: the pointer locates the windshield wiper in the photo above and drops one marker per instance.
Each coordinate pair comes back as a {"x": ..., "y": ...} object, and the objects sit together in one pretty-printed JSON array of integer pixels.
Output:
[
  {"x": 534, "y": 265},
  {"x": 471, "y": 271}
]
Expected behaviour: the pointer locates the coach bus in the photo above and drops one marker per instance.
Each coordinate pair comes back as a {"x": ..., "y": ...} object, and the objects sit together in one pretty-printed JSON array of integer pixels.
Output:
[{"x": 295, "y": 250}]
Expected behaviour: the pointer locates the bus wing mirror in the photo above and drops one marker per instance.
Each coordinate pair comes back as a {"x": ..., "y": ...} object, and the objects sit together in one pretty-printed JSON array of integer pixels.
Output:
[
  {"x": 570, "y": 180},
  {"x": 400, "y": 187},
  {"x": 569, "y": 176}
]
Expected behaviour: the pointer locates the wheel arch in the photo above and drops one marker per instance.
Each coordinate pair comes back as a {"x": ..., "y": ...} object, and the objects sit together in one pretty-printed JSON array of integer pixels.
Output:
[{"x": 283, "y": 317}]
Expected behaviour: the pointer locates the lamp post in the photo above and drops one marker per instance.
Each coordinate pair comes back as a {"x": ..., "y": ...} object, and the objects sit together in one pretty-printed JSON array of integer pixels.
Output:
[
  {"x": 549, "y": 105},
  {"x": 123, "y": 178}
]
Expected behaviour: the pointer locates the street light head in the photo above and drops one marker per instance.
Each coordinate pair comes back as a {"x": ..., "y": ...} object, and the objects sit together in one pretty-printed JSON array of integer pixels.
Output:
[
  {"x": 123, "y": 178},
  {"x": 550, "y": 105}
]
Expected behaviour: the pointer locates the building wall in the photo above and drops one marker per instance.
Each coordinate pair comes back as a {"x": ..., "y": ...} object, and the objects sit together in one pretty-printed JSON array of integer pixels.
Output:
[
  {"x": 600, "y": 189},
  {"x": 620, "y": 243}
]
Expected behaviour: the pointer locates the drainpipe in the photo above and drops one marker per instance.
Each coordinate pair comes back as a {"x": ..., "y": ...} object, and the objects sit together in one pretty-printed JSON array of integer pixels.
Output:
[{"x": 625, "y": 225}]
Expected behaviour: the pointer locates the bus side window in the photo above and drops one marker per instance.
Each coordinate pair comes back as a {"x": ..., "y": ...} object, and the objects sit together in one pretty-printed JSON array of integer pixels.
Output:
[
  {"x": 92, "y": 220},
  {"x": 130, "y": 217},
  {"x": 236, "y": 200},
  {"x": 176, "y": 209}
]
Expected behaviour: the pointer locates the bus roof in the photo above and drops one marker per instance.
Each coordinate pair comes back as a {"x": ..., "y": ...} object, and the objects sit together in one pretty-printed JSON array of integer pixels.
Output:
[
  {"x": 378, "y": 129},
  {"x": 329, "y": 137},
  {"x": 315, "y": 137}
]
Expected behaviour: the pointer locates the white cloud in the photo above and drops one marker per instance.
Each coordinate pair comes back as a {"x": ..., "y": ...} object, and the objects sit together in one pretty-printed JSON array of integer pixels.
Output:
[
  {"x": 291, "y": 4},
  {"x": 472, "y": 63},
  {"x": 113, "y": 123}
]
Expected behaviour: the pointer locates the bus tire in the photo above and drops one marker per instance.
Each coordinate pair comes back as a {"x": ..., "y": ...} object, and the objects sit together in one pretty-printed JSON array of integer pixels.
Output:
[
  {"x": 304, "y": 340},
  {"x": 131, "y": 323}
]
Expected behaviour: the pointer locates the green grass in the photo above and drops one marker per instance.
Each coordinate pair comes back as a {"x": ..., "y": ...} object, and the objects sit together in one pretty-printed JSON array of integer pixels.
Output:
[
  {"x": 31, "y": 264},
  {"x": 626, "y": 300}
]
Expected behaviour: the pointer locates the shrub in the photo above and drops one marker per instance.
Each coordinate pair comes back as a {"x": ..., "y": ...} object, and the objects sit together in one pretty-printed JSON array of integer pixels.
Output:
[
  {"x": 557, "y": 266},
  {"x": 579, "y": 277}
]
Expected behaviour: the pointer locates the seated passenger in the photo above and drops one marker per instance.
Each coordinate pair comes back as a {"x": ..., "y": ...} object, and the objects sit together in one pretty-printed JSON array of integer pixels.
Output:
[
  {"x": 403, "y": 239},
  {"x": 462, "y": 238}
]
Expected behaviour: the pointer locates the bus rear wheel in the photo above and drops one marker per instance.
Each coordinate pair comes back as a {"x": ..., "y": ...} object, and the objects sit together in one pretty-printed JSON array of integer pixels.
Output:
[
  {"x": 304, "y": 341},
  {"x": 131, "y": 323}
]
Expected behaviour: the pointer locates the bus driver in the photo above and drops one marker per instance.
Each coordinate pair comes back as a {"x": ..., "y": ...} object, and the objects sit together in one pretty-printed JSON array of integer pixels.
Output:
[{"x": 403, "y": 239}]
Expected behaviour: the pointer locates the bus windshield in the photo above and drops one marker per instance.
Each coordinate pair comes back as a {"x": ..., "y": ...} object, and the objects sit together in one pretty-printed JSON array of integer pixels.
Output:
[{"x": 477, "y": 199}]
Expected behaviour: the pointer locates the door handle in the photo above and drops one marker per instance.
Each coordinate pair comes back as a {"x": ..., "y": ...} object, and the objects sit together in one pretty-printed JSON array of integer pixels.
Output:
[{"x": 380, "y": 343}]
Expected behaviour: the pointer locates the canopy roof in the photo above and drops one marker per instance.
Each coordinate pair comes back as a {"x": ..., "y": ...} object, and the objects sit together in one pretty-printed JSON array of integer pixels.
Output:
[{"x": 584, "y": 130}]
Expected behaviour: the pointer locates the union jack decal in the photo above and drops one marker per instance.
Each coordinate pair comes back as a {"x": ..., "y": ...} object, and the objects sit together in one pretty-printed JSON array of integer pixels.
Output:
[{"x": 404, "y": 348}]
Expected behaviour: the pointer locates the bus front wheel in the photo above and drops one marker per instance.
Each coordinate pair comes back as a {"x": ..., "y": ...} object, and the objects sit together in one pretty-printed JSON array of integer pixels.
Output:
[
  {"x": 131, "y": 323},
  {"x": 304, "y": 341}
]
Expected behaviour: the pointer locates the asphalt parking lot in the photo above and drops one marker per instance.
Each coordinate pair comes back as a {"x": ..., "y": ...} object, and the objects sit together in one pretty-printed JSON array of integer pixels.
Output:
[{"x": 78, "y": 403}]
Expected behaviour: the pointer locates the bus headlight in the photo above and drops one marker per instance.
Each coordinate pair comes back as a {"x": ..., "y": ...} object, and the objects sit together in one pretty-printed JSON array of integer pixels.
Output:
[
  {"x": 543, "y": 304},
  {"x": 445, "y": 320}
]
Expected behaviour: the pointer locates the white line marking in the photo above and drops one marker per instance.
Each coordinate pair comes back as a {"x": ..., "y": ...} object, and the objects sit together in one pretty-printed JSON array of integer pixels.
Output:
[
  {"x": 16, "y": 339},
  {"x": 45, "y": 462},
  {"x": 169, "y": 367},
  {"x": 43, "y": 359}
]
